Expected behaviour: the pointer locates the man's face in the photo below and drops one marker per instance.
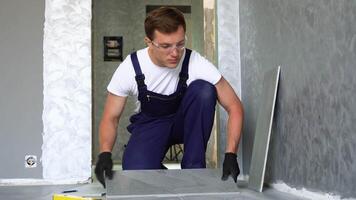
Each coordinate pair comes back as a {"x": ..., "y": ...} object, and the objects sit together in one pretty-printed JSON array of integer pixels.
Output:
[{"x": 166, "y": 50}]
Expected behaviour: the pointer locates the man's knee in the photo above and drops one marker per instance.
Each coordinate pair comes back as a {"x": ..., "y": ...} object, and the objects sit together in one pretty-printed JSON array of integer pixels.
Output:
[
  {"x": 138, "y": 156},
  {"x": 203, "y": 90}
]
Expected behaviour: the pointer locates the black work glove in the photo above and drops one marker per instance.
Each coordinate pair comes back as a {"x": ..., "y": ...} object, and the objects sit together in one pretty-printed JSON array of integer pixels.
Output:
[
  {"x": 230, "y": 167},
  {"x": 104, "y": 164}
]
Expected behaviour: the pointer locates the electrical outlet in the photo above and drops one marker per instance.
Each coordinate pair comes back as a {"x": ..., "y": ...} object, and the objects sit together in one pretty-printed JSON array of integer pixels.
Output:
[{"x": 30, "y": 161}]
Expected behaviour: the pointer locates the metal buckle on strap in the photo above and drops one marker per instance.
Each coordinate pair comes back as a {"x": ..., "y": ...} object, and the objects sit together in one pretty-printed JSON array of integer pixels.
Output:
[
  {"x": 140, "y": 79},
  {"x": 183, "y": 76}
]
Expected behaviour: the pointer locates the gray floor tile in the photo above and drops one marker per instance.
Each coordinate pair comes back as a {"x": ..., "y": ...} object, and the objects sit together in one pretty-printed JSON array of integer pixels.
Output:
[
  {"x": 167, "y": 183},
  {"x": 188, "y": 184}
]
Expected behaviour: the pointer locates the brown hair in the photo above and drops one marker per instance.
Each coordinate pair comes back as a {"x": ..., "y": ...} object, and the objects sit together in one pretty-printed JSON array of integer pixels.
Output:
[{"x": 164, "y": 20}]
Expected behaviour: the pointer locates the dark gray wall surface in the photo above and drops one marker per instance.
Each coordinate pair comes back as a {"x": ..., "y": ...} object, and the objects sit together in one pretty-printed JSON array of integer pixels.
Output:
[
  {"x": 21, "y": 86},
  {"x": 111, "y": 18},
  {"x": 313, "y": 143}
]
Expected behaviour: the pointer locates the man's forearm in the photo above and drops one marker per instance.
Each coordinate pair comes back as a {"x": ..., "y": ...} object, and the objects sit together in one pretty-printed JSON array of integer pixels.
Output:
[
  {"x": 108, "y": 134},
  {"x": 234, "y": 129}
]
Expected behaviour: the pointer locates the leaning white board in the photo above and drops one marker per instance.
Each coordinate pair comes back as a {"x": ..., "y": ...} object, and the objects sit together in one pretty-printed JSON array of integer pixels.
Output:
[{"x": 263, "y": 129}]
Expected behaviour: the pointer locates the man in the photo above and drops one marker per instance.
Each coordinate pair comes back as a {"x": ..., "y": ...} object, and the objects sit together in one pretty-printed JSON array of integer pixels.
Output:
[{"x": 177, "y": 91}]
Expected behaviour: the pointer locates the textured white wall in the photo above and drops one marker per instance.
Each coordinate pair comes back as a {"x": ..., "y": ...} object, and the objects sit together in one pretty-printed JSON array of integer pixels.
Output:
[
  {"x": 66, "y": 150},
  {"x": 228, "y": 59}
]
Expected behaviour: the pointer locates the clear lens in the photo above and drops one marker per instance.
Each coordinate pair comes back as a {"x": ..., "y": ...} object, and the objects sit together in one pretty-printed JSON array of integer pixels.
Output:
[{"x": 169, "y": 47}]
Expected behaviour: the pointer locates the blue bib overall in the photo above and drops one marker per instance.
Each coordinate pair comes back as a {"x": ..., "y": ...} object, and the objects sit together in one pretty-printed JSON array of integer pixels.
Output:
[{"x": 186, "y": 116}]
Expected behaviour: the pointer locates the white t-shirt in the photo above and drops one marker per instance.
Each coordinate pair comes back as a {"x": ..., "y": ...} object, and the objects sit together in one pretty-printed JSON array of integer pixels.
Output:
[{"x": 162, "y": 80}]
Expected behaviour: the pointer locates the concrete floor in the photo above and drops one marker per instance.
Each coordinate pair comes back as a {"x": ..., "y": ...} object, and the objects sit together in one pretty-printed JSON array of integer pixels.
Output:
[
  {"x": 46, "y": 192},
  {"x": 171, "y": 184},
  {"x": 42, "y": 192}
]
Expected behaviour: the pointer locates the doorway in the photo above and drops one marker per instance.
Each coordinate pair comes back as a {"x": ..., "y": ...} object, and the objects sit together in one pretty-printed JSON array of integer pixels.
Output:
[{"x": 121, "y": 18}]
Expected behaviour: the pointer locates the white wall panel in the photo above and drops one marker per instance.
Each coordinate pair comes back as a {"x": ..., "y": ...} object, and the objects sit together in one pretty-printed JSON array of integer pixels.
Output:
[{"x": 66, "y": 149}]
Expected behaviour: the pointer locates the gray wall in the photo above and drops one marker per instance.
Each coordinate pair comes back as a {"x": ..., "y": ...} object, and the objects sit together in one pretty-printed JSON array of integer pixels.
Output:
[
  {"x": 314, "y": 138},
  {"x": 21, "y": 86},
  {"x": 110, "y": 18},
  {"x": 229, "y": 64}
]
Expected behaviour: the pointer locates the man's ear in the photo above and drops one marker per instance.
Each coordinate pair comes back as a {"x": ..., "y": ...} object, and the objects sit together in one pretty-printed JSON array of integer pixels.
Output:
[{"x": 147, "y": 40}]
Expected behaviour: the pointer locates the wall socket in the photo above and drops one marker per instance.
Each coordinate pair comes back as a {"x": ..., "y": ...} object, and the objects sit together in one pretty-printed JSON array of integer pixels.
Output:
[{"x": 30, "y": 161}]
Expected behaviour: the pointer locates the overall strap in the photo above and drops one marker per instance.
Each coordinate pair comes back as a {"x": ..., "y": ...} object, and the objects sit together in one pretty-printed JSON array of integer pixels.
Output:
[
  {"x": 140, "y": 78},
  {"x": 183, "y": 75}
]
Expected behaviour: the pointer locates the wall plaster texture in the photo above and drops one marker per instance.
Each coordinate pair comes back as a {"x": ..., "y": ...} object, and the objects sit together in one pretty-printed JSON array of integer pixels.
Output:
[
  {"x": 66, "y": 149},
  {"x": 313, "y": 143}
]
